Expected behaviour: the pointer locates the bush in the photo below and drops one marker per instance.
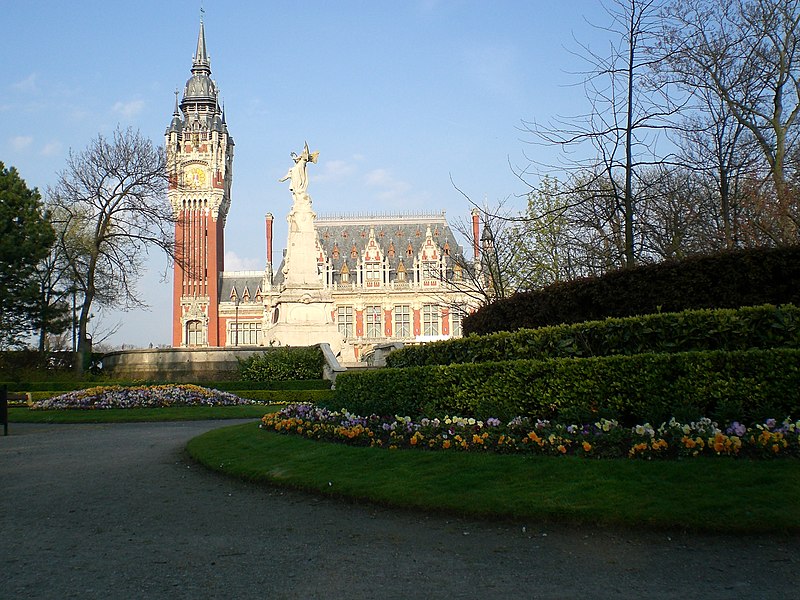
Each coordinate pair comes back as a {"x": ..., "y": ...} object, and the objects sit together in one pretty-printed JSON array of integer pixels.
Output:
[
  {"x": 746, "y": 385},
  {"x": 732, "y": 279},
  {"x": 722, "y": 329},
  {"x": 272, "y": 396},
  {"x": 300, "y": 384},
  {"x": 285, "y": 363}
]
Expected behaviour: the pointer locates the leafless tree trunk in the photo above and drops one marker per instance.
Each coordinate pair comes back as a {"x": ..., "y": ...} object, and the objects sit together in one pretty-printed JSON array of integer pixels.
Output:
[
  {"x": 626, "y": 116},
  {"x": 112, "y": 201},
  {"x": 747, "y": 53}
]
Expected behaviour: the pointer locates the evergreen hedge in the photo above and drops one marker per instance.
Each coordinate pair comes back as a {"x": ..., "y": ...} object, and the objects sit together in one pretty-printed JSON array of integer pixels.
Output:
[
  {"x": 272, "y": 396},
  {"x": 747, "y": 386},
  {"x": 60, "y": 387},
  {"x": 731, "y": 279},
  {"x": 284, "y": 363},
  {"x": 722, "y": 329}
]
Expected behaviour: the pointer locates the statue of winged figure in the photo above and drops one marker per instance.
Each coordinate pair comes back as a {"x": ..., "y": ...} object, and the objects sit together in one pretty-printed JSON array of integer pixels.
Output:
[{"x": 297, "y": 175}]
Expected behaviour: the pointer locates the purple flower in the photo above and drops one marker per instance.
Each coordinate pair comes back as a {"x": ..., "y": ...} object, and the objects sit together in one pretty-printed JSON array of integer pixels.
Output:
[{"x": 736, "y": 429}]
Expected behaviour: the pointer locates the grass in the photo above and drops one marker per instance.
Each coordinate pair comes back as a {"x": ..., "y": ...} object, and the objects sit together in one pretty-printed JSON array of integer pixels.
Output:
[
  {"x": 703, "y": 494},
  {"x": 135, "y": 415}
]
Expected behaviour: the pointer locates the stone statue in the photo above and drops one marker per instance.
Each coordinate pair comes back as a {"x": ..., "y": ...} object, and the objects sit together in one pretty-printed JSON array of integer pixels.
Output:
[{"x": 297, "y": 174}]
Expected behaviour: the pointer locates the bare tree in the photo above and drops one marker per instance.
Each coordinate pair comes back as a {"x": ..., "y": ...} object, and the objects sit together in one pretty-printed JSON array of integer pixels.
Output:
[
  {"x": 112, "y": 204},
  {"x": 627, "y": 114},
  {"x": 746, "y": 53}
]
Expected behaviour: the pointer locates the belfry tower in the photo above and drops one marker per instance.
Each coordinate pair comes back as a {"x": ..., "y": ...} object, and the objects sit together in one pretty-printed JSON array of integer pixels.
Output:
[{"x": 199, "y": 164}]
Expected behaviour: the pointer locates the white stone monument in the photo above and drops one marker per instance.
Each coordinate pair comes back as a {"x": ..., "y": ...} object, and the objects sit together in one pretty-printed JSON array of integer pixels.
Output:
[{"x": 303, "y": 315}]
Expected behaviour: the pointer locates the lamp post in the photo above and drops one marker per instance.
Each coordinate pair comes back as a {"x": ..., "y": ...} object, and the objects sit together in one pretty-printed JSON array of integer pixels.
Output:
[
  {"x": 74, "y": 291},
  {"x": 236, "y": 322},
  {"x": 493, "y": 260}
]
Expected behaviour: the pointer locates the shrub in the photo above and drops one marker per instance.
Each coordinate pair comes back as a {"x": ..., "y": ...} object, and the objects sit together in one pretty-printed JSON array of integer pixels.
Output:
[
  {"x": 272, "y": 396},
  {"x": 726, "y": 280},
  {"x": 280, "y": 364},
  {"x": 746, "y": 385},
  {"x": 299, "y": 384},
  {"x": 722, "y": 329}
]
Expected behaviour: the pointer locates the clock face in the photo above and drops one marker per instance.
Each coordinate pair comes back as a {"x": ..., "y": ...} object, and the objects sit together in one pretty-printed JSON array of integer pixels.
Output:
[{"x": 195, "y": 177}]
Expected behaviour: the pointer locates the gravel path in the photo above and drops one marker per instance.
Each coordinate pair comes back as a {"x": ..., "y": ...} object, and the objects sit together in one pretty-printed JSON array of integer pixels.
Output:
[{"x": 118, "y": 511}]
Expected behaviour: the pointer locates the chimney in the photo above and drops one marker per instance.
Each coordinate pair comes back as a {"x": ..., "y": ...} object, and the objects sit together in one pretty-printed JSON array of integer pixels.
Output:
[
  {"x": 269, "y": 219},
  {"x": 476, "y": 249}
]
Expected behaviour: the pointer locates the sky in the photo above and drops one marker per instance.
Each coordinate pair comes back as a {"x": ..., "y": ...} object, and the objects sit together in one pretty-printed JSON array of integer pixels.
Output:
[{"x": 407, "y": 103}]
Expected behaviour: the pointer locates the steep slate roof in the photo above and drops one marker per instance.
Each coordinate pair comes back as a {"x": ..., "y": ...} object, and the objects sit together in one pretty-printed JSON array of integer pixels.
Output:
[
  {"x": 244, "y": 282},
  {"x": 398, "y": 239},
  {"x": 399, "y": 233}
]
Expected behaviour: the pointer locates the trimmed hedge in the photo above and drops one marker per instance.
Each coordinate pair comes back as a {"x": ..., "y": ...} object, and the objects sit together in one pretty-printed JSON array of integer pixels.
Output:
[
  {"x": 271, "y": 396},
  {"x": 298, "y": 384},
  {"x": 284, "y": 363},
  {"x": 55, "y": 388},
  {"x": 688, "y": 331},
  {"x": 746, "y": 386},
  {"x": 731, "y": 279}
]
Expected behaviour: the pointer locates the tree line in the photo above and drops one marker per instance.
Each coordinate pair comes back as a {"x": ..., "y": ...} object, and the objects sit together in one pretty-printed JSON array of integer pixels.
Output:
[
  {"x": 84, "y": 245},
  {"x": 688, "y": 144}
]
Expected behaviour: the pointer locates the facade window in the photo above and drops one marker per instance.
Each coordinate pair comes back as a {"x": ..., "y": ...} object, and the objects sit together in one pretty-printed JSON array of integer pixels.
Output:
[
  {"x": 344, "y": 319},
  {"x": 244, "y": 334},
  {"x": 373, "y": 273},
  {"x": 374, "y": 322},
  {"x": 430, "y": 319},
  {"x": 430, "y": 272},
  {"x": 402, "y": 321},
  {"x": 456, "y": 314},
  {"x": 194, "y": 333}
]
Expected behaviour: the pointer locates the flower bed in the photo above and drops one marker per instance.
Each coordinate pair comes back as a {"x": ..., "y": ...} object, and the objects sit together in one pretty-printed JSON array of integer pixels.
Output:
[
  {"x": 150, "y": 396},
  {"x": 605, "y": 438}
]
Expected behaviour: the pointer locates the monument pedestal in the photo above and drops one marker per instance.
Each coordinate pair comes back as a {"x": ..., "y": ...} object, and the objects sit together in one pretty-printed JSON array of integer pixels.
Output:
[{"x": 303, "y": 317}]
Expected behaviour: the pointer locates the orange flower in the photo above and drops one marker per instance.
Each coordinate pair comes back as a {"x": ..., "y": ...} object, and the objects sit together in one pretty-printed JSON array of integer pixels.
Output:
[
  {"x": 446, "y": 444},
  {"x": 534, "y": 438},
  {"x": 587, "y": 447}
]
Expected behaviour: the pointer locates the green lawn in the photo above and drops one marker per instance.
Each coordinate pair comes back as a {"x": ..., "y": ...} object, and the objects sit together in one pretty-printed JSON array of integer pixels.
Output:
[
  {"x": 133, "y": 415},
  {"x": 704, "y": 494}
]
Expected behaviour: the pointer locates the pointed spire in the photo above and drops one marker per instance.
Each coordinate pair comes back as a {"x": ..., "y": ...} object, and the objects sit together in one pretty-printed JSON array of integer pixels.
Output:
[
  {"x": 200, "y": 62},
  {"x": 176, "y": 112}
]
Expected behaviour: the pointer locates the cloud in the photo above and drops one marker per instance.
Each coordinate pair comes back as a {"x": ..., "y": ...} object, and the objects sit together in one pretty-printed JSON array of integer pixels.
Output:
[
  {"x": 233, "y": 262},
  {"x": 386, "y": 185},
  {"x": 51, "y": 148},
  {"x": 128, "y": 109},
  {"x": 21, "y": 142},
  {"x": 335, "y": 170},
  {"x": 26, "y": 85}
]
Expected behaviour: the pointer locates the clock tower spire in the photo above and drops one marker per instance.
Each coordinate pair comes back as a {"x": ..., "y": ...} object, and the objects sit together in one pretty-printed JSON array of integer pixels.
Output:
[{"x": 200, "y": 167}]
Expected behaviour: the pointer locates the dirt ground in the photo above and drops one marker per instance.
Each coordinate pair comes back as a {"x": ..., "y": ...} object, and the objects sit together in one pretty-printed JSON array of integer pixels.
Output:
[{"x": 119, "y": 511}]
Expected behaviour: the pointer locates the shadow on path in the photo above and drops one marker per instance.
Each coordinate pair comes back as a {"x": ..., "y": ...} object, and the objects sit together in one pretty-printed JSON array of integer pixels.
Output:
[{"x": 118, "y": 511}]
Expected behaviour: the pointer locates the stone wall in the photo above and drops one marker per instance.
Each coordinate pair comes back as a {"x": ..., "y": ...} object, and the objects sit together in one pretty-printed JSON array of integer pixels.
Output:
[{"x": 190, "y": 364}]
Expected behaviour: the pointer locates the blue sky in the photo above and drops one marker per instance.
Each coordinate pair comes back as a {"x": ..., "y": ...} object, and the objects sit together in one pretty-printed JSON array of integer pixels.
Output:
[{"x": 398, "y": 97}]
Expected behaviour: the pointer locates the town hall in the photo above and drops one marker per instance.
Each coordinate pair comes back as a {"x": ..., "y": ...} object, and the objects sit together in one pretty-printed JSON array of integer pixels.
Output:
[{"x": 353, "y": 281}]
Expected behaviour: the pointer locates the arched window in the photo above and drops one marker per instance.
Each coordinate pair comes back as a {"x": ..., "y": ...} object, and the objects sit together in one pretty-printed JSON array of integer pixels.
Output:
[{"x": 194, "y": 333}]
